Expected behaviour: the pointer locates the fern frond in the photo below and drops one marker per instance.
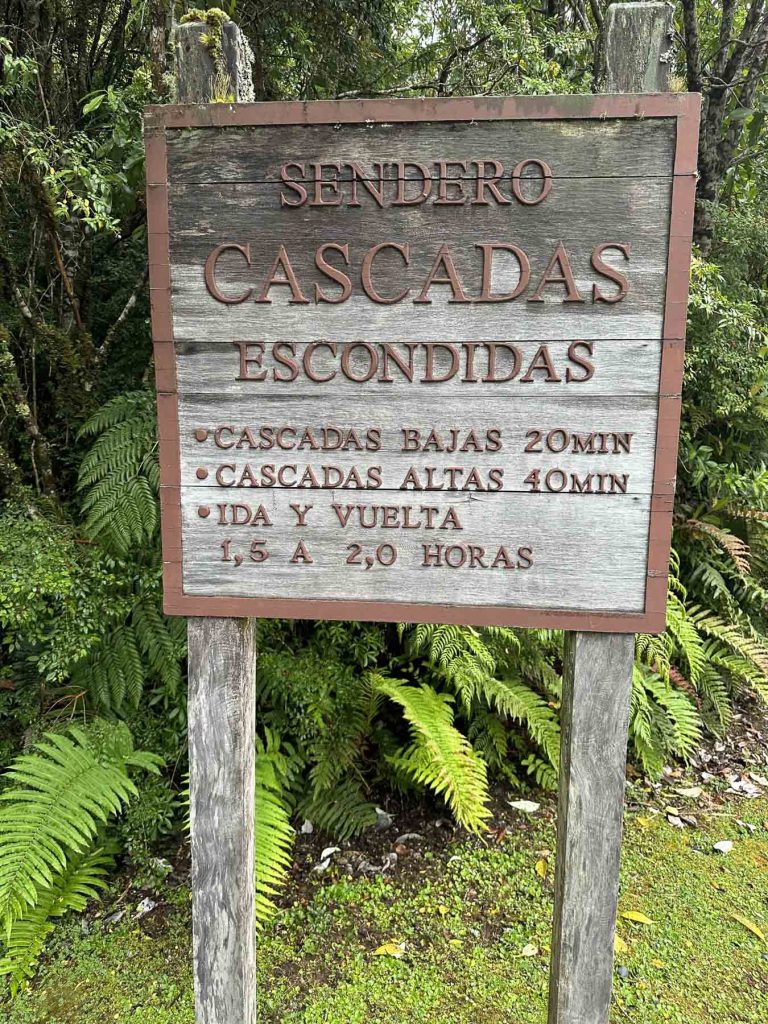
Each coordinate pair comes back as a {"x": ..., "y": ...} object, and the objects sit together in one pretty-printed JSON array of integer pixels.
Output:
[
  {"x": 516, "y": 700},
  {"x": 82, "y": 880},
  {"x": 732, "y": 545},
  {"x": 542, "y": 771},
  {"x": 154, "y": 635},
  {"x": 273, "y": 833},
  {"x": 731, "y": 636},
  {"x": 61, "y": 794},
  {"x": 342, "y": 811},
  {"x": 440, "y": 757},
  {"x": 119, "y": 476}
]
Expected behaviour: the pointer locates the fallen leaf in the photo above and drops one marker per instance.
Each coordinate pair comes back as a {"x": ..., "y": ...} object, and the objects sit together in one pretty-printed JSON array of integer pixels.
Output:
[
  {"x": 529, "y": 950},
  {"x": 690, "y": 792},
  {"x": 455, "y": 942},
  {"x": 724, "y": 846},
  {"x": 645, "y": 822},
  {"x": 541, "y": 868},
  {"x": 636, "y": 916},
  {"x": 528, "y": 806},
  {"x": 658, "y": 963},
  {"x": 619, "y": 945},
  {"x": 675, "y": 820},
  {"x": 391, "y": 948},
  {"x": 742, "y": 786},
  {"x": 750, "y": 925},
  {"x": 443, "y": 910}
]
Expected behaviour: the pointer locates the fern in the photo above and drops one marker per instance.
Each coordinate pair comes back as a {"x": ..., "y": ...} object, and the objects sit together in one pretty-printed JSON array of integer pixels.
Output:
[
  {"x": 732, "y": 545},
  {"x": 119, "y": 477},
  {"x": 145, "y": 645},
  {"x": 751, "y": 661},
  {"x": 342, "y": 811},
  {"x": 542, "y": 772},
  {"x": 62, "y": 795},
  {"x": 70, "y": 889},
  {"x": 466, "y": 658},
  {"x": 663, "y": 720},
  {"x": 439, "y": 757},
  {"x": 274, "y": 835}
]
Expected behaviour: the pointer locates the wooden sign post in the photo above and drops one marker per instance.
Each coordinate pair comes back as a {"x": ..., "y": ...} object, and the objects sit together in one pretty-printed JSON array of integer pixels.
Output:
[
  {"x": 419, "y": 360},
  {"x": 597, "y": 667}
]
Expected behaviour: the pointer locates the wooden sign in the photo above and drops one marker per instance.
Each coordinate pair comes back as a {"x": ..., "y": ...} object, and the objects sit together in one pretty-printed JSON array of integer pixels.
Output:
[{"x": 421, "y": 360}]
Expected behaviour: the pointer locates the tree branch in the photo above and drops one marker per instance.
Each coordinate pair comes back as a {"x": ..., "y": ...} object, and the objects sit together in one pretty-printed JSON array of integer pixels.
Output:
[
  {"x": 109, "y": 337},
  {"x": 692, "y": 45}
]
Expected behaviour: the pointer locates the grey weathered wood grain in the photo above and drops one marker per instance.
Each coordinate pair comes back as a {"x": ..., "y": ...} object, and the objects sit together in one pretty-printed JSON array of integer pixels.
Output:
[
  {"x": 199, "y": 78},
  {"x": 514, "y": 420},
  {"x": 622, "y": 367},
  {"x": 640, "y": 315},
  {"x": 572, "y": 149},
  {"x": 222, "y": 723},
  {"x": 222, "y": 704},
  {"x": 639, "y": 50},
  {"x": 580, "y": 213},
  {"x": 597, "y": 682},
  {"x": 589, "y": 553},
  {"x": 595, "y": 714}
]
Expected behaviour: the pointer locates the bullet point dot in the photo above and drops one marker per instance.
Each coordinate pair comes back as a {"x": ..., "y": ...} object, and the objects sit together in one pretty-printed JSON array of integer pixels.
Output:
[
  {"x": 203, "y": 511},
  {"x": 201, "y": 434},
  {"x": 202, "y": 473}
]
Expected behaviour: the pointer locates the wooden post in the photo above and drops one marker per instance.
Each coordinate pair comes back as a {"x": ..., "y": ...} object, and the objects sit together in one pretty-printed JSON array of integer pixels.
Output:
[
  {"x": 597, "y": 680},
  {"x": 222, "y": 695}
]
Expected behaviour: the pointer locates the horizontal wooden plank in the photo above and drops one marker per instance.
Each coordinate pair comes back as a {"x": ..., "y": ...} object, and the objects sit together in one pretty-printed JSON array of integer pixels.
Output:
[
  {"x": 585, "y": 436},
  {"x": 581, "y": 217},
  {"x": 571, "y": 148},
  {"x": 197, "y": 316},
  {"x": 586, "y": 210},
  {"x": 583, "y": 555},
  {"x": 611, "y": 367}
]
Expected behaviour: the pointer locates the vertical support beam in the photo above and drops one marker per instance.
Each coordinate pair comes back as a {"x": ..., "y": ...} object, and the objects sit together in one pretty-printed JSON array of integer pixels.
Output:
[
  {"x": 638, "y": 47},
  {"x": 222, "y": 727},
  {"x": 597, "y": 680},
  {"x": 597, "y": 676},
  {"x": 222, "y": 687}
]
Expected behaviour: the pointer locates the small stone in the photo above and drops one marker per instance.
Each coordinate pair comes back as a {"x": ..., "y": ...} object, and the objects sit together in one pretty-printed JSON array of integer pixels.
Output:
[
  {"x": 724, "y": 846},
  {"x": 383, "y": 820}
]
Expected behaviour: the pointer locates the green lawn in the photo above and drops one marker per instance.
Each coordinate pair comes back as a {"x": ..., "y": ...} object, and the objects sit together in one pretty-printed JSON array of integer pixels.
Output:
[{"x": 475, "y": 924}]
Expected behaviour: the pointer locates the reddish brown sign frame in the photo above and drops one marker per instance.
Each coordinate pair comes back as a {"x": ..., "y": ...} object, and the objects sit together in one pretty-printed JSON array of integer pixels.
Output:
[{"x": 683, "y": 107}]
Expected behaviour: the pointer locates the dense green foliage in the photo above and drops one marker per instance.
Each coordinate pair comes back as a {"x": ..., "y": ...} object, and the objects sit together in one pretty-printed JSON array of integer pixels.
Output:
[{"x": 350, "y": 714}]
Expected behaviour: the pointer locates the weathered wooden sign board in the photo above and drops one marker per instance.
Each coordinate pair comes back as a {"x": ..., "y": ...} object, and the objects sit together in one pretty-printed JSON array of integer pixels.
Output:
[{"x": 421, "y": 359}]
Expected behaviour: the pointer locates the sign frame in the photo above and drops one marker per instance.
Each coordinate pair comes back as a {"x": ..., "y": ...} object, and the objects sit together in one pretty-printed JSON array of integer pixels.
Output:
[{"x": 682, "y": 107}]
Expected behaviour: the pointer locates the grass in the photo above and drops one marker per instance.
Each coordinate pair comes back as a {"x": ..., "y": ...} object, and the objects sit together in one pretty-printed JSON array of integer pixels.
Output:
[{"x": 474, "y": 929}]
